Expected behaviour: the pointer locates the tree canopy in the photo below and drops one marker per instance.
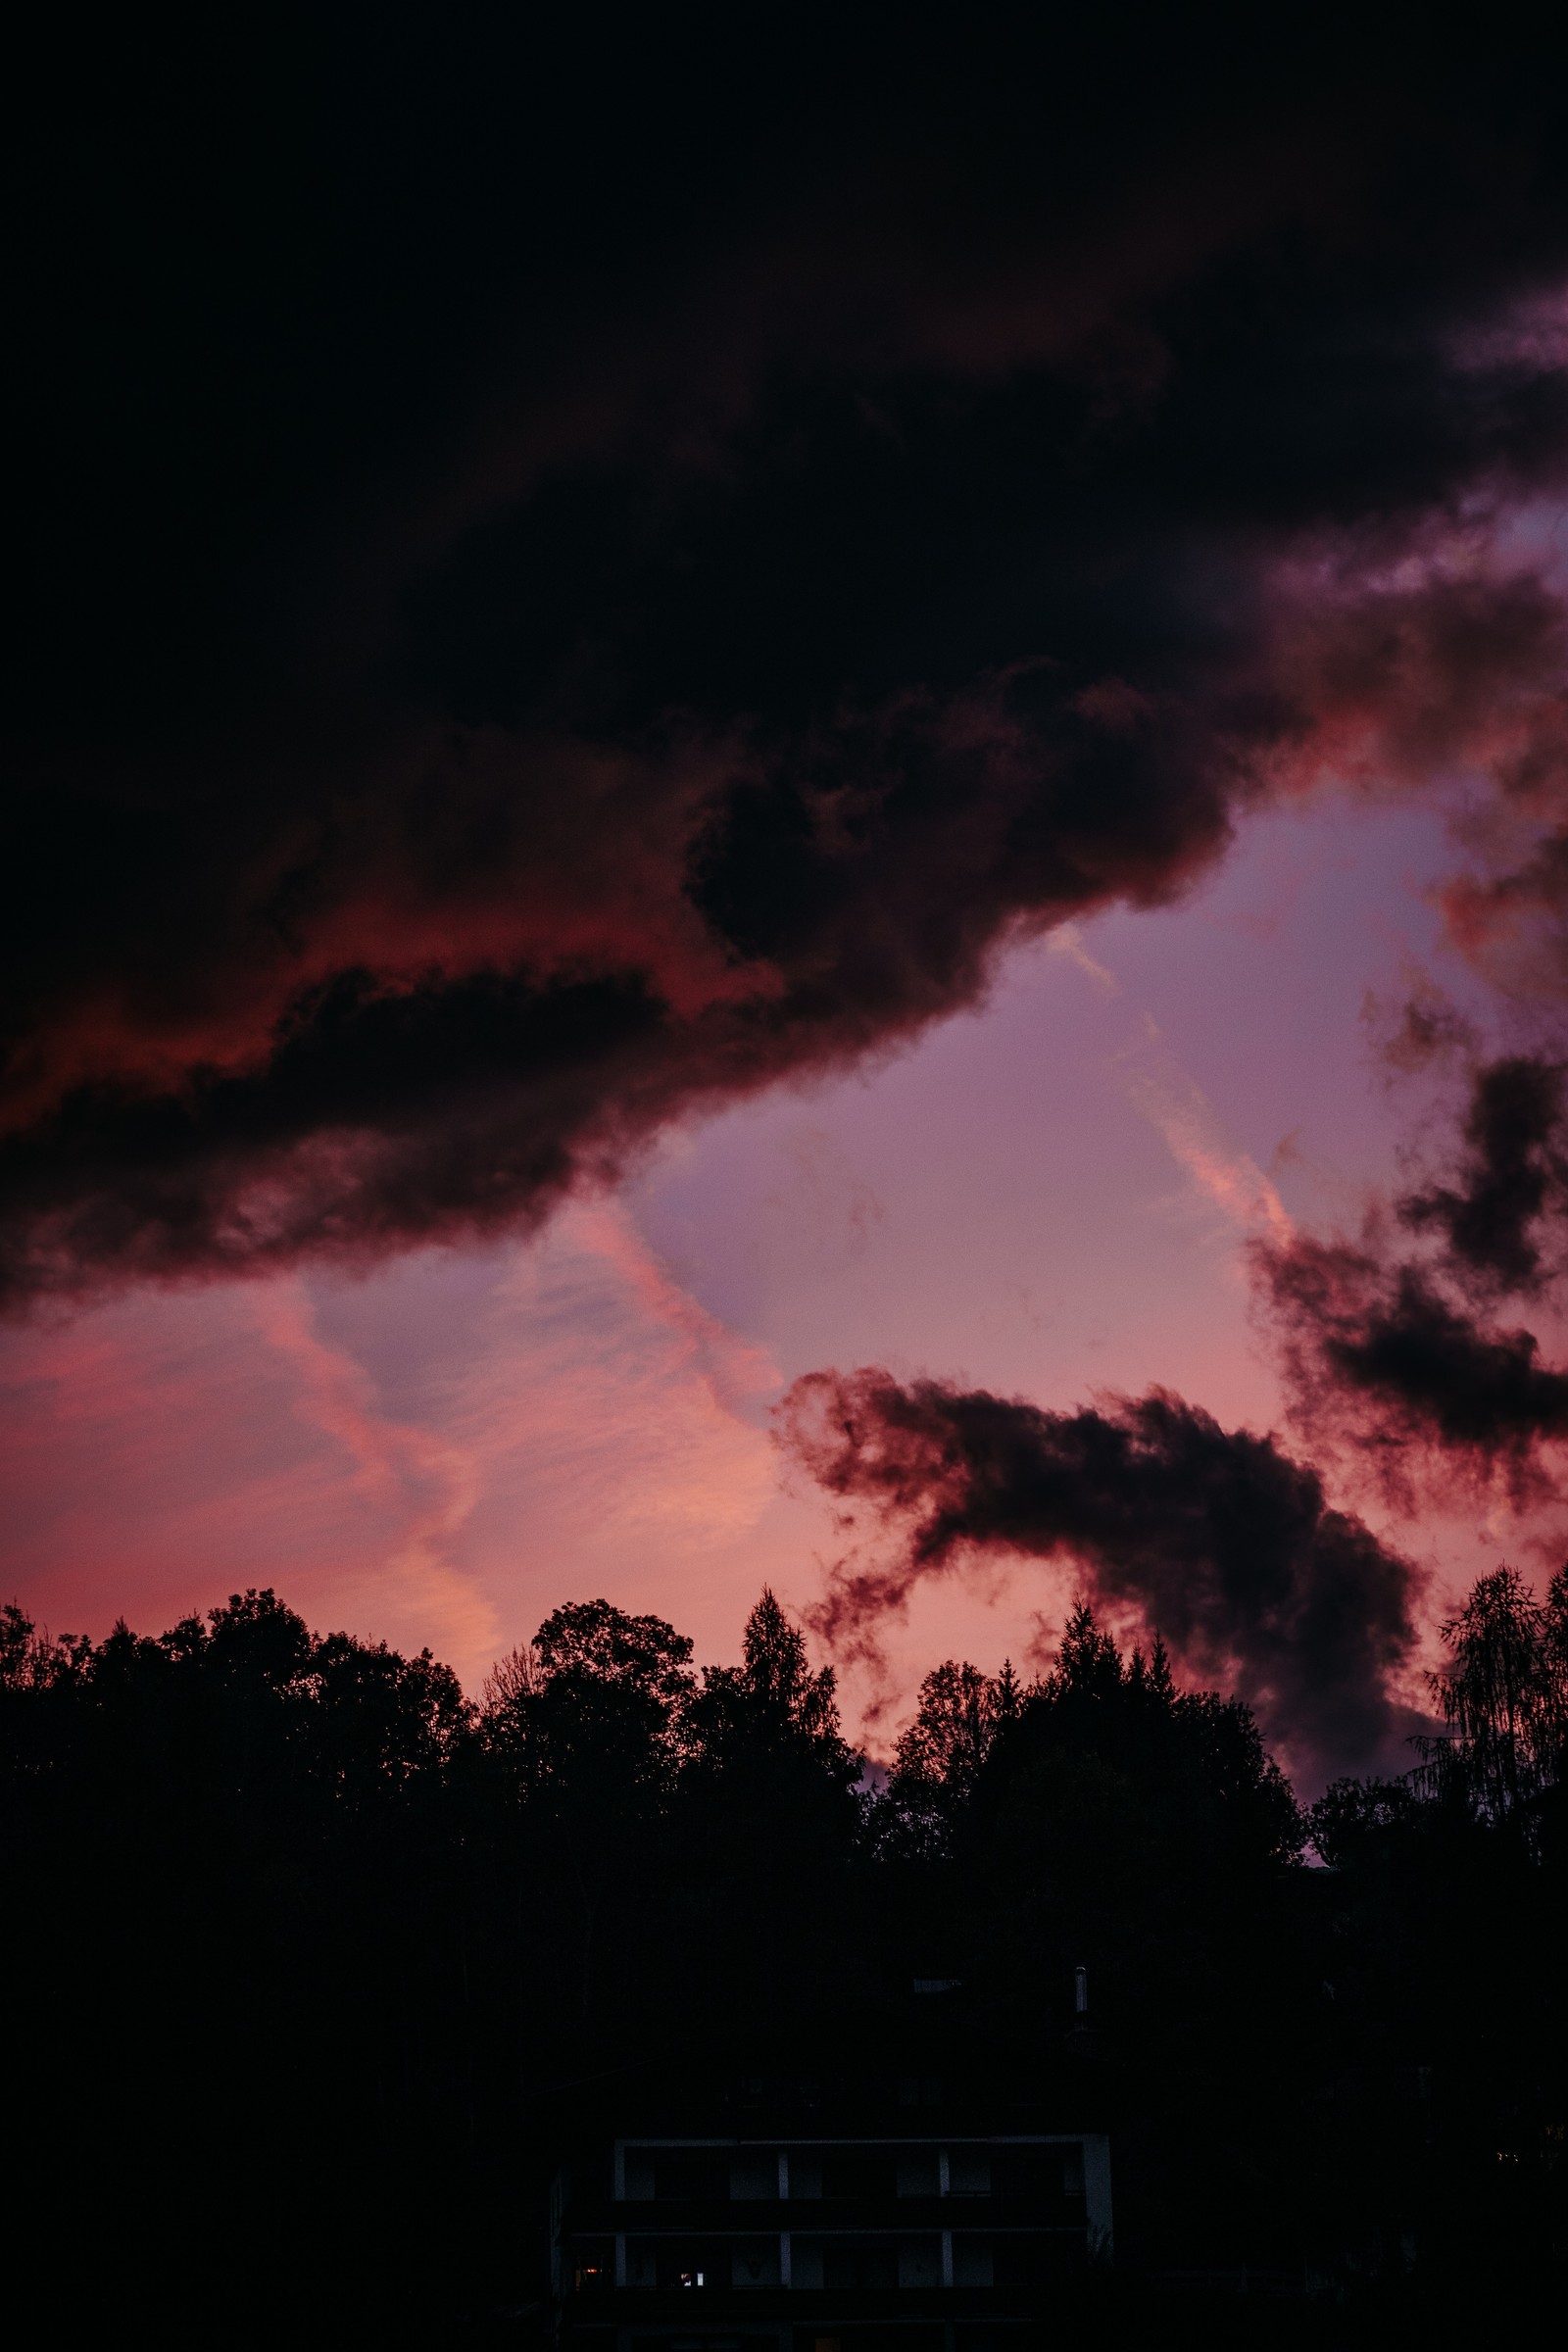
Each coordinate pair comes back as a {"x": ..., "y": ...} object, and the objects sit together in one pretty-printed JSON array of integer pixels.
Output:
[{"x": 320, "y": 1933}]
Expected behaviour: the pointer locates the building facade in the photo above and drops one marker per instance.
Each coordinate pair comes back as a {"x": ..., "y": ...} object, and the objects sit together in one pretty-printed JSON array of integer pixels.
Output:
[{"x": 937, "y": 2244}]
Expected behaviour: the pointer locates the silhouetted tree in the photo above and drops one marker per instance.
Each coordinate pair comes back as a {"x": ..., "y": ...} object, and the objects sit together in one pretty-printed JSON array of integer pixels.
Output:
[
  {"x": 1504, "y": 1695},
  {"x": 771, "y": 1704},
  {"x": 939, "y": 1756},
  {"x": 595, "y": 1705},
  {"x": 1352, "y": 1814},
  {"x": 372, "y": 1936},
  {"x": 767, "y": 1809}
]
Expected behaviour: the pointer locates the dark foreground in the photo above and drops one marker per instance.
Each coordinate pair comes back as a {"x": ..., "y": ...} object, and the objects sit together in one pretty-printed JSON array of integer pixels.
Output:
[{"x": 313, "y": 1971}]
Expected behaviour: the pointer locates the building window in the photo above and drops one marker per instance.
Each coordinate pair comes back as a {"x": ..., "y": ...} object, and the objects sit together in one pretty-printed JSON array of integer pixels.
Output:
[
  {"x": 859, "y": 2173},
  {"x": 918, "y": 2174},
  {"x": 676, "y": 2265},
  {"x": 968, "y": 2172},
  {"x": 754, "y": 2262},
  {"x": 593, "y": 2264},
  {"x": 691, "y": 2175},
  {"x": 754, "y": 2175},
  {"x": 921, "y": 2261},
  {"x": 845, "y": 2264}
]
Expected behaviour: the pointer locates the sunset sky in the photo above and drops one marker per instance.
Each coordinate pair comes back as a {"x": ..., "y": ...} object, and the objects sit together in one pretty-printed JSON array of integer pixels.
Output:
[{"x": 680, "y": 726}]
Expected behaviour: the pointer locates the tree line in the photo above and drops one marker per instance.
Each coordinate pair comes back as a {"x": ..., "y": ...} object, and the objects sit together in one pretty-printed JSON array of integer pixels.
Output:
[{"x": 313, "y": 1959}]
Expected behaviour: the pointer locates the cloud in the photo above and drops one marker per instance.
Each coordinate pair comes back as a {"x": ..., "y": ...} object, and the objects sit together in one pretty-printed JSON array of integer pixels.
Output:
[
  {"x": 1426, "y": 1391},
  {"x": 1393, "y": 1352},
  {"x": 1181, "y": 1113},
  {"x": 1175, "y": 1104},
  {"x": 1507, "y": 916},
  {"x": 429, "y": 1483},
  {"x": 1214, "y": 1538},
  {"x": 1421, "y": 1031},
  {"x": 635, "y": 652},
  {"x": 1067, "y": 941},
  {"x": 1513, "y": 1179}
]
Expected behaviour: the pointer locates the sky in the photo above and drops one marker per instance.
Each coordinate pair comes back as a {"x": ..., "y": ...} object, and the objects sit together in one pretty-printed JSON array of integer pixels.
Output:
[
  {"x": 1048, "y": 1196},
  {"x": 793, "y": 815}
]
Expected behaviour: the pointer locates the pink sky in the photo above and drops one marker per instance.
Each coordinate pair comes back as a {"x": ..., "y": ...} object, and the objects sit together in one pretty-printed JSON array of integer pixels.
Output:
[{"x": 1047, "y": 1196}]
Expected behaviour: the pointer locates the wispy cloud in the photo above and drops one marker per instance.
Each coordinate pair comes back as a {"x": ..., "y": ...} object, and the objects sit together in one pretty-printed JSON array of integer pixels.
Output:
[
  {"x": 616, "y": 1411},
  {"x": 439, "y": 1454},
  {"x": 1194, "y": 1134},
  {"x": 1067, "y": 941},
  {"x": 428, "y": 1480},
  {"x": 1177, "y": 1107}
]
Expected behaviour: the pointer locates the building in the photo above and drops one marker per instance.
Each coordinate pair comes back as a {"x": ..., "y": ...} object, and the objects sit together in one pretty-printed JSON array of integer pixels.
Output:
[{"x": 935, "y": 2243}]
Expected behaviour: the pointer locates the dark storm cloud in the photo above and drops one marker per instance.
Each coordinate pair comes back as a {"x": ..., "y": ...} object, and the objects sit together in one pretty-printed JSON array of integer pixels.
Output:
[
  {"x": 567, "y": 581},
  {"x": 1377, "y": 1355},
  {"x": 1408, "y": 1357},
  {"x": 1214, "y": 1538},
  {"x": 1512, "y": 1178}
]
